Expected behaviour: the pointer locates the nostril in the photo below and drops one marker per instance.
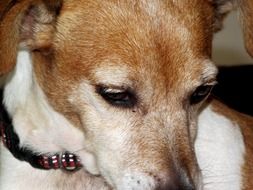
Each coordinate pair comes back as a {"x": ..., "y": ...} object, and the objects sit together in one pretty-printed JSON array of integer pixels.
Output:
[
  {"x": 176, "y": 187},
  {"x": 176, "y": 182}
]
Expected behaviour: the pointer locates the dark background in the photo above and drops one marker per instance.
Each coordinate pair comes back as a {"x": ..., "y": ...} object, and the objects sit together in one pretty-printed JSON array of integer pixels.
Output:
[{"x": 235, "y": 87}]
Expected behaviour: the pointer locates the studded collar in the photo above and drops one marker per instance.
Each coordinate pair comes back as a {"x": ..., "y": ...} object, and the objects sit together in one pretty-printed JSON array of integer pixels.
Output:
[{"x": 64, "y": 160}]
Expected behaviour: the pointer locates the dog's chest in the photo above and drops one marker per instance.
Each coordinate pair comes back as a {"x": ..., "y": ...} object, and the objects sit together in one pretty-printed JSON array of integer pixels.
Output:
[{"x": 220, "y": 152}]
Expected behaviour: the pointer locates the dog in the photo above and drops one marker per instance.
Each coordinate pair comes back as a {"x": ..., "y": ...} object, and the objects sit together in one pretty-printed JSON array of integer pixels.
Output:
[{"x": 113, "y": 94}]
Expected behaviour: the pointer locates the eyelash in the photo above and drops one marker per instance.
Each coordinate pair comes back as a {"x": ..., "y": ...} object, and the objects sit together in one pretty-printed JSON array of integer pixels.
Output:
[{"x": 120, "y": 98}]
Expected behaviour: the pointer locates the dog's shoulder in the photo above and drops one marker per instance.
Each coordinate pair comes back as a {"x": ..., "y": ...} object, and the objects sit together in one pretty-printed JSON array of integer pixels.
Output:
[
  {"x": 241, "y": 119},
  {"x": 224, "y": 147},
  {"x": 245, "y": 123}
]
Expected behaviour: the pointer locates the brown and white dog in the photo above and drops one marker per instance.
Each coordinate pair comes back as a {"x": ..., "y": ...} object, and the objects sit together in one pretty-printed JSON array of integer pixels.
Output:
[{"x": 121, "y": 83}]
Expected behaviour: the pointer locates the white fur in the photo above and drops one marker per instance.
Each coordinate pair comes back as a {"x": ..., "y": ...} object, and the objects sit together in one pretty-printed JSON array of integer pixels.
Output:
[
  {"x": 116, "y": 74},
  {"x": 210, "y": 71},
  {"x": 136, "y": 181},
  {"x": 40, "y": 128},
  {"x": 220, "y": 151},
  {"x": 17, "y": 175},
  {"x": 19, "y": 83},
  {"x": 32, "y": 116},
  {"x": 151, "y": 7}
]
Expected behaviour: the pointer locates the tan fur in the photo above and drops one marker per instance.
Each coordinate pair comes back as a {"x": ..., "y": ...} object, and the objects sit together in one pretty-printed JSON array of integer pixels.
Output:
[
  {"x": 12, "y": 36},
  {"x": 160, "y": 50},
  {"x": 8, "y": 38},
  {"x": 247, "y": 20}
]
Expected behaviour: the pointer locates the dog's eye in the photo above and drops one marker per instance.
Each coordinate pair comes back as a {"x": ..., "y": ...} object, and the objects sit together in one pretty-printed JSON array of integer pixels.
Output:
[
  {"x": 118, "y": 97},
  {"x": 200, "y": 93}
]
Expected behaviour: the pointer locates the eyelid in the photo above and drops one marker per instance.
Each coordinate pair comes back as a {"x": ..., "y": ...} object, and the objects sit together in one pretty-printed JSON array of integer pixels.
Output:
[
  {"x": 208, "y": 81},
  {"x": 106, "y": 92},
  {"x": 112, "y": 87},
  {"x": 211, "y": 83},
  {"x": 114, "y": 90}
]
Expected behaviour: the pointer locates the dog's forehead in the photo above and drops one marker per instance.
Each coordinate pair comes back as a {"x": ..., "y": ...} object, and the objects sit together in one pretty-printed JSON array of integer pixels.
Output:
[
  {"x": 155, "y": 36},
  {"x": 143, "y": 16}
]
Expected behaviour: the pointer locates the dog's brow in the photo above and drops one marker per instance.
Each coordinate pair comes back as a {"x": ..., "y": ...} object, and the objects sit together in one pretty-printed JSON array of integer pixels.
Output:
[
  {"x": 112, "y": 75},
  {"x": 209, "y": 72}
]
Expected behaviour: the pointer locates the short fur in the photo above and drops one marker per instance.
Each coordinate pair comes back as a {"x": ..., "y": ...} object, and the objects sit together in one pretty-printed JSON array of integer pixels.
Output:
[{"x": 57, "y": 55}]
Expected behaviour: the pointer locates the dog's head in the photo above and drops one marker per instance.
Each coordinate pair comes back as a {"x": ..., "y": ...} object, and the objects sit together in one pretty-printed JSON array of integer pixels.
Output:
[{"x": 131, "y": 75}]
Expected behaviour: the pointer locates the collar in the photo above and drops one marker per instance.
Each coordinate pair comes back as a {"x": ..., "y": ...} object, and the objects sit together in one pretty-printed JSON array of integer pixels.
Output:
[{"x": 65, "y": 160}]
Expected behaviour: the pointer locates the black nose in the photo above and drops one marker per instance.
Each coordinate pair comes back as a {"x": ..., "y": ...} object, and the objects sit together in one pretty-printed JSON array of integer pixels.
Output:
[
  {"x": 181, "y": 186},
  {"x": 176, "y": 187},
  {"x": 177, "y": 181}
]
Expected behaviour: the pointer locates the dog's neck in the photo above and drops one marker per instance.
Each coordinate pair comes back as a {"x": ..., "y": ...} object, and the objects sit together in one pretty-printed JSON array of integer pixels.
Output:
[
  {"x": 67, "y": 161},
  {"x": 35, "y": 121}
]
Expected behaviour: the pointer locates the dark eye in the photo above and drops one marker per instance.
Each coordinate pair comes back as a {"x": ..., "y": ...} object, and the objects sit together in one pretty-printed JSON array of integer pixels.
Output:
[
  {"x": 200, "y": 93},
  {"x": 118, "y": 97}
]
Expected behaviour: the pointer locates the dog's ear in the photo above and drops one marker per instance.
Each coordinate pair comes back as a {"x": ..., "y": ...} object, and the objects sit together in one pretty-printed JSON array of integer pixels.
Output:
[
  {"x": 223, "y": 7},
  {"x": 221, "y": 10},
  {"x": 247, "y": 22},
  {"x": 27, "y": 25}
]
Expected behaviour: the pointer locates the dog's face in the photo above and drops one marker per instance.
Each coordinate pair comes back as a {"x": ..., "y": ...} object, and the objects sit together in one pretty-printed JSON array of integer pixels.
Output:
[
  {"x": 127, "y": 73},
  {"x": 131, "y": 75}
]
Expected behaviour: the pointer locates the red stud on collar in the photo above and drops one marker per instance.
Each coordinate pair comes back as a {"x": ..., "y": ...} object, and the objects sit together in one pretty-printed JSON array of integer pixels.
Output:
[{"x": 67, "y": 161}]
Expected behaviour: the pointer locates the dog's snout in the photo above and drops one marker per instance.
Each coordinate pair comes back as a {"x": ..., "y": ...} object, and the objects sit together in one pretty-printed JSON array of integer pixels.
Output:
[
  {"x": 158, "y": 181},
  {"x": 176, "y": 181}
]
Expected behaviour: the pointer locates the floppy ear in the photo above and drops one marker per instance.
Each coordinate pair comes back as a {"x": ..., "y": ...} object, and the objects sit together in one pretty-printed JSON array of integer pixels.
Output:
[
  {"x": 27, "y": 25},
  {"x": 223, "y": 7}
]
